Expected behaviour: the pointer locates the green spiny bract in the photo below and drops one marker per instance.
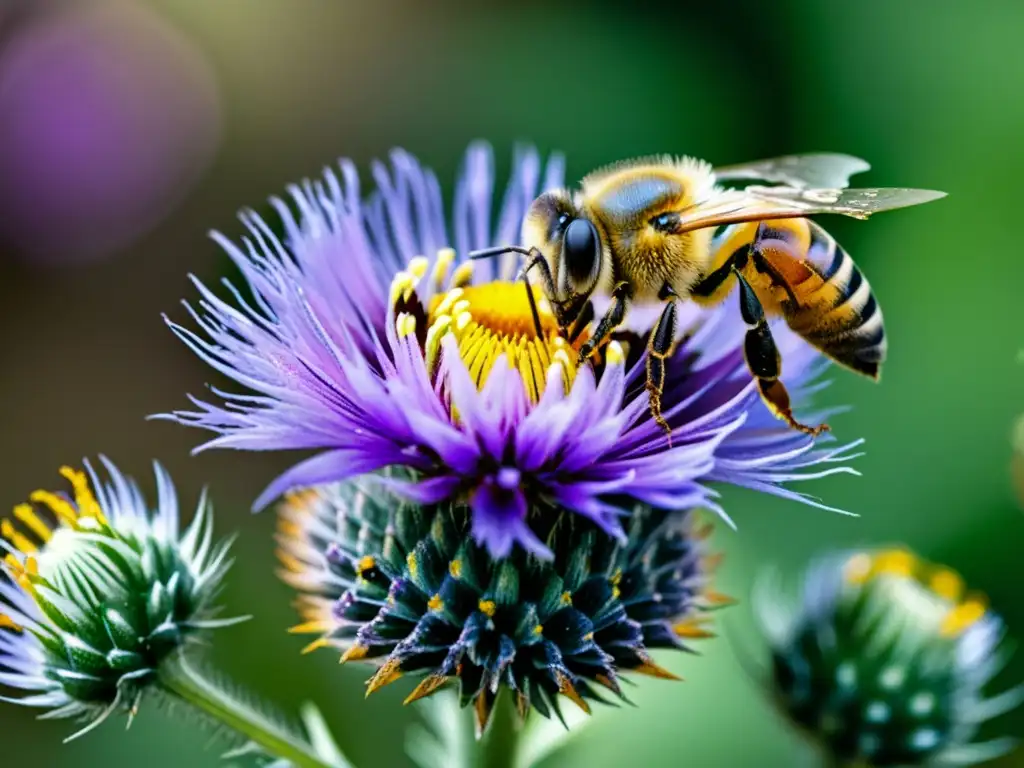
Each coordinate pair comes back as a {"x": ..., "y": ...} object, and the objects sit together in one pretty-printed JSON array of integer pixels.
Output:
[
  {"x": 101, "y": 592},
  {"x": 884, "y": 661},
  {"x": 407, "y": 586}
]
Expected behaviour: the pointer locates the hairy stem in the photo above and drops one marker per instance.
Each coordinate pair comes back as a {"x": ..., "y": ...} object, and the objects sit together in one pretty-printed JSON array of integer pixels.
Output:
[{"x": 180, "y": 682}]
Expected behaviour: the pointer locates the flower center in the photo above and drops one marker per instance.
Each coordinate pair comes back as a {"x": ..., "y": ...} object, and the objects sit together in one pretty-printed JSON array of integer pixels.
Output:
[
  {"x": 932, "y": 594},
  {"x": 494, "y": 320},
  {"x": 488, "y": 321}
]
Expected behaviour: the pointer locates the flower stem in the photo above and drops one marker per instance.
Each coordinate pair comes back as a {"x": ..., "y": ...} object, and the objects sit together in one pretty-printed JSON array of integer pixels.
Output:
[
  {"x": 498, "y": 748},
  {"x": 182, "y": 683}
]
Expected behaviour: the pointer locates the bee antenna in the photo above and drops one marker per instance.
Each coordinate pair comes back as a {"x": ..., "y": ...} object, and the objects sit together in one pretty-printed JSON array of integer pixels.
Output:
[{"x": 490, "y": 253}]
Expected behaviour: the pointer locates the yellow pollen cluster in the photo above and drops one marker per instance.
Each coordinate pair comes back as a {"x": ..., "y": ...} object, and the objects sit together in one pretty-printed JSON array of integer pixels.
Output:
[
  {"x": 965, "y": 609},
  {"x": 492, "y": 320},
  {"x": 35, "y": 532},
  {"x": 365, "y": 564},
  {"x": 487, "y": 321}
]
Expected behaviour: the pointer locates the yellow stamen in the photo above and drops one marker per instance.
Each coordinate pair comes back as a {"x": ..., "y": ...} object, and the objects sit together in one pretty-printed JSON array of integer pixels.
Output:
[
  {"x": 947, "y": 584},
  {"x": 613, "y": 354},
  {"x": 365, "y": 563},
  {"x": 568, "y": 370},
  {"x": 446, "y": 303},
  {"x": 436, "y": 332},
  {"x": 487, "y": 608},
  {"x": 84, "y": 499},
  {"x": 463, "y": 275},
  {"x": 566, "y": 598},
  {"x": 59, "y": 506},
  {"x": 6, "y": 622},
  {"x": 417, "y": 267},
  {"x": 405, "y": 325},
  {"x": 23, "y": 574},
  {"x": 412, "y": 564},
  {"x": 442, "y": 265},
  {"x": 538, "y": 630},
  {"x": 455, "y": 568},
  {"x": 961, "y": 618},
  {"x": 435, "y": 603},
  {"x": 21, "y": 542},
  {"x": 614, "y": 580},
  {"x": 894, "y": 562},
  {"x": 27, "y": 515},
  {"x": 13, "y": 565},
  {"x": 402, "y": 287}
]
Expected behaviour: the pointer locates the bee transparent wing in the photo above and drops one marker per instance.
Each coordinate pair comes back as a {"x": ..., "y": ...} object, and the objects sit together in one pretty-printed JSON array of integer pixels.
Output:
[
  {"x": 822, "y": 169},
  {"x": 761, "y": 203}
]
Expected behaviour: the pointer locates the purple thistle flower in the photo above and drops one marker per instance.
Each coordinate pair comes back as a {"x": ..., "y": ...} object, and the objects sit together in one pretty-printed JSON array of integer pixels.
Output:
[{"x": 371, "y": 340}]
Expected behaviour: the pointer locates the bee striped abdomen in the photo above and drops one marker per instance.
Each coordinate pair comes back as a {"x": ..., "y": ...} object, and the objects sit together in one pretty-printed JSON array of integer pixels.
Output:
[{"x": 838, "y": 313}]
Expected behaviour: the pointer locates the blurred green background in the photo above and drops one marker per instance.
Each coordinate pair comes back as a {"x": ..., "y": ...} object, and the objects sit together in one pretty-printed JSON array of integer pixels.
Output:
[{"x": 929, "y": 93}]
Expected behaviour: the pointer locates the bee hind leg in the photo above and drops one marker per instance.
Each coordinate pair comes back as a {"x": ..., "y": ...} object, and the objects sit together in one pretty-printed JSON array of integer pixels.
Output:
[
  {"x": 764, "y": 361},
  {"x": 659, "y": 348}
]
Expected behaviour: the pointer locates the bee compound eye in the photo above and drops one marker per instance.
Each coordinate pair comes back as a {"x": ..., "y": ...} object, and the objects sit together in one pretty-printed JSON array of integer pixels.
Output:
[
  {"x": 665, "y": 222},
  {"x": 582, "y": 252}
]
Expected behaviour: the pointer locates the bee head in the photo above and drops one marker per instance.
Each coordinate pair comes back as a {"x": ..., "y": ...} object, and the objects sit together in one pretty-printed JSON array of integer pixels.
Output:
[{"x": 569, "y": 241}]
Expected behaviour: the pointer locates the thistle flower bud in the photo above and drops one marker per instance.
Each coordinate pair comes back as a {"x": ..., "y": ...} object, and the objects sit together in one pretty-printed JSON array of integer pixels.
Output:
[
  {"x": 884, "y": 661},
  {"x": 100, "y": 591},
  {"x": 409, "y": 588}
]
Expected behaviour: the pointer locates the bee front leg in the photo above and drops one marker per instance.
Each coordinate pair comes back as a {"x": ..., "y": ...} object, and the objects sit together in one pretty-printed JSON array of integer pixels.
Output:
[
  {"x": 537, "y": 327},
  {"x": 764, "y": 361},
  {"x": 659, "y": 349},
  {"x": 586, "y": 316},
  {"x": 611, "y": 320}
]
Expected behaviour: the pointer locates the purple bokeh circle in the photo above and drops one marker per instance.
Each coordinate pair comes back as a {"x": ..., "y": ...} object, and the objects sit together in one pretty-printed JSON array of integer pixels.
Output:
[{"x": 108, "y": 115}]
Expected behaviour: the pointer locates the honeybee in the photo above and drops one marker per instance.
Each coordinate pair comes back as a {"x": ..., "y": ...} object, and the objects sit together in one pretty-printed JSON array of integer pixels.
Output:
[{"x": 662, "y": 229}]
